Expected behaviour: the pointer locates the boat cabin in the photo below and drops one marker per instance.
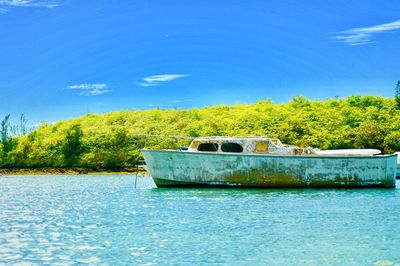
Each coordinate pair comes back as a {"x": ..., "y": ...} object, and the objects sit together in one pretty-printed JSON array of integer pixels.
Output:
[
  {"x": 265, "y": 145},
  {"x": 255, "y": 145}
]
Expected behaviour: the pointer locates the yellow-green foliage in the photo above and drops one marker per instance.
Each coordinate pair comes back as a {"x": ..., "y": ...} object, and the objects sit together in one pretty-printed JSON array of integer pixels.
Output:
[{"x": 112, "y": 141}]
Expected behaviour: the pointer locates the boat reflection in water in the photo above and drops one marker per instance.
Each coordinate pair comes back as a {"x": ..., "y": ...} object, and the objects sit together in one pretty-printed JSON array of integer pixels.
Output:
[{"x": 267, "y": 163}]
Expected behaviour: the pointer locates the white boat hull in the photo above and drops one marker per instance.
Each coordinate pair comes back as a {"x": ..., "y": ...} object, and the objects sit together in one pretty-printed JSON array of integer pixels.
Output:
[{"x": 175, "y": 168}]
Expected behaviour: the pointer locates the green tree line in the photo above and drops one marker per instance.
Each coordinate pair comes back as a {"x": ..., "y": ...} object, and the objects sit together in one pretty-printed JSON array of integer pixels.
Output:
[{"x": 113, "y": 140}]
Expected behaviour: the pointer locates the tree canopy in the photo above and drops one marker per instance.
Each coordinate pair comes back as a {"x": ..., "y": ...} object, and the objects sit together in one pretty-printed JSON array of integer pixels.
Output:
[{"x": 113, "y": 140}]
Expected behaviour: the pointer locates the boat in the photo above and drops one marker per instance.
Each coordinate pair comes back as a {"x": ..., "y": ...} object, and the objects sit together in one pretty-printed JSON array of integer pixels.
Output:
[{"x": 263, "y": 162}]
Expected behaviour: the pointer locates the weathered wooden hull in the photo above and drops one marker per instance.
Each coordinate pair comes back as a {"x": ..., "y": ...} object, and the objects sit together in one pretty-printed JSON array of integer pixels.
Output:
[{"x": 192, "y": 169}]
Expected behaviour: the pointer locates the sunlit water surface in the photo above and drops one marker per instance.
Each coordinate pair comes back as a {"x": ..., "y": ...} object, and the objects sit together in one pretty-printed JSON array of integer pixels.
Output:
[{"x": 103, "y": 219}]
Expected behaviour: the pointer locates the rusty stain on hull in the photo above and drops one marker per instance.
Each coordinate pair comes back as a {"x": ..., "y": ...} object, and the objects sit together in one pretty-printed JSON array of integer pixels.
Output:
[{"x": 174, "y": 169}]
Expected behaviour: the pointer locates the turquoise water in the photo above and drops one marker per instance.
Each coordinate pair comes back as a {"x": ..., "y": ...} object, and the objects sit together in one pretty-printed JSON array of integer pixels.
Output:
[{"x": 104, "y": 220}]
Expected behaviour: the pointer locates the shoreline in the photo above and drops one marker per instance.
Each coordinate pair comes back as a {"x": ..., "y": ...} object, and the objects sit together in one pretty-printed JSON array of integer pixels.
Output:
[{"x": 69, "y": 171}]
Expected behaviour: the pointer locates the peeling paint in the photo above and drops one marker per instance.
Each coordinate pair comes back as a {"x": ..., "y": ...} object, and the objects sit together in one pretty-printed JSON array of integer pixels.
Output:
[
  {"x": 269, "y": 164},
  {"x": 173, "y": 168}
]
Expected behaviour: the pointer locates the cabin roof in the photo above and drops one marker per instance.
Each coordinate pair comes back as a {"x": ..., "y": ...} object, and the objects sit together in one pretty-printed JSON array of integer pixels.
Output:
[{"x": 216, "y": 138}]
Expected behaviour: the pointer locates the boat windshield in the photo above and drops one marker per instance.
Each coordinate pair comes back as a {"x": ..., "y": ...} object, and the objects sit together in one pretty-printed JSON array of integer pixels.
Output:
[
  {"x": 208, "y": 147},
  {"x": 231, "y": 147}
]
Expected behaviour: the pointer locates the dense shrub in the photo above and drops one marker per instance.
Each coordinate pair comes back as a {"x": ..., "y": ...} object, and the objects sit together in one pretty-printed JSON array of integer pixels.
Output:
[{"x": 113, "y": 140}]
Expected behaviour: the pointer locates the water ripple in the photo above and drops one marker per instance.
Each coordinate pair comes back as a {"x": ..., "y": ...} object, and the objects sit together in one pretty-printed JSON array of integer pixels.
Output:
[{"x": 104, "y": 220}]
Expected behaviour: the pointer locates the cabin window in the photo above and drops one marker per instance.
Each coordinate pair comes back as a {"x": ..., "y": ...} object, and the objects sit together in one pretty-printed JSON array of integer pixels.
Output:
[
  {"x": 195, "y": 144},
  {"x": 261, "y": 147},
  {"x": 208, "y": 147},
  {"x": 231, "y": 147}
]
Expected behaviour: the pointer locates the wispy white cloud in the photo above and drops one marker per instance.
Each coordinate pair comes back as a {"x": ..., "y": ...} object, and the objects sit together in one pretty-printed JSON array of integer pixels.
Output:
[
  {"x": 360, "y": 36},
  {"x": 180, "y": 101},
  {"x": 87, "y": 86},
  {"x": 159, "y": 79},
  {"x": 90, "y": 89},
  {"x": 25, "y": 3},
  {"x": 165, "y": 77}
]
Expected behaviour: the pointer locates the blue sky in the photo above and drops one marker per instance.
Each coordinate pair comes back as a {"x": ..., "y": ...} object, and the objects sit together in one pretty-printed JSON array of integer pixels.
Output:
[{"x": 64, "y": 58}]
